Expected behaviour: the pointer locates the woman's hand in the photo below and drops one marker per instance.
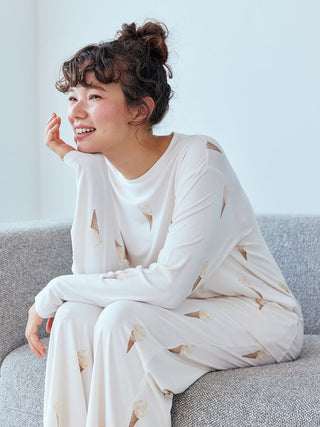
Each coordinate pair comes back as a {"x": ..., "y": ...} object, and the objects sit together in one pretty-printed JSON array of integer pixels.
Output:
[
  {"x": 49, "y": 324},
  {"x": 34, "y": 321},
  {"x": 52, "y": 137}
]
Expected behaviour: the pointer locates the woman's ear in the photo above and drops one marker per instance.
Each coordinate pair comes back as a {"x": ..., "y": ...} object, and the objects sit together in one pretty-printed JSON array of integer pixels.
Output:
[{"x": 143, "y": 111}]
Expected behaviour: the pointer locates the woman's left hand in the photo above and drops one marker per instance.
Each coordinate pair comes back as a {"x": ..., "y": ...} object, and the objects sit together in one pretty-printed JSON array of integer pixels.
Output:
[{"x": 34, "y": 321}]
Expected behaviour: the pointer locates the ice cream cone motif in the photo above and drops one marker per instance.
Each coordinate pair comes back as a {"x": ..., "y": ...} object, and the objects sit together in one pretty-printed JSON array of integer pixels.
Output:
[
  {"x": 260, "y": 355},
  {"x": 225, "y": 198},
  {"x": 243, "y": 252},
  {"x": 137, "y": 334},
  {"x": 260, "y": 303},
  {"x": 201, "y": 275},
  {"x": 56, "y": 411},
  {"x": 284, "y": 287},
  {"x": 94, "y": 234},
  {"x": 201, "y": 314},
  {"x": 246, "y": 282},
  {"x": 211, "y": 146},
  {"x": 112, "y": 276},
  {"x": 183, "y": 350},
  {"x": 139, "y": 411},
  {"x": 83, "y": 359},
  {"x": 147, "y": 212},
  {"x": 167, "y": 392},
  {"x": 120, "y": 276},
  {"x": 121, "y": 252}
]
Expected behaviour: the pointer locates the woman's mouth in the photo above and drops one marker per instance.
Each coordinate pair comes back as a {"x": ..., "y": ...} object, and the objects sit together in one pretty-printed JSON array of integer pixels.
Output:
[{"x": 83, "y": 132}]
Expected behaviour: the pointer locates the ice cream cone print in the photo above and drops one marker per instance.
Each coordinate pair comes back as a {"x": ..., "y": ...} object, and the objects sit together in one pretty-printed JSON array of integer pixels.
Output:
[
  {"x": 201, "y": 314},
  {"x": 147, "y": 212},
  {"x": 260, "y": 303},
  {"x": 211, "y": 146},
  {"x": 94, "y": 234},
  {"x": 121, "y": 253},
  {"x": 259, "y": 355},
  {"x": 167, "y": 392},
  {"x": 113, "y": 276},
  {"x": 137, "y": 334},
  {"x": 246, "y": 282},
  {"x": 196, "y": 283},
  {"x": 139, "y": 411},
  {"x": 242, "y": 251},
  {"x": 56, "y": 411},
  {"x": 120, "y": 276},
  {"x": 83, "y": 359},
  {"x": 125, "y": 274},
  {"x": 133, "y": 419},
  {"x": 225, "y": 198},
  {"x": 183, "y": 350},
  {"x": 284, "y": 287},
  {"x": 201, "y": 275}
]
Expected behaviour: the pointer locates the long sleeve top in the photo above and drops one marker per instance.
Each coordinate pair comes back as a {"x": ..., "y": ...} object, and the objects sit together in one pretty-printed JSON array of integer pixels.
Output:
[{"x": 189, "y": 232}]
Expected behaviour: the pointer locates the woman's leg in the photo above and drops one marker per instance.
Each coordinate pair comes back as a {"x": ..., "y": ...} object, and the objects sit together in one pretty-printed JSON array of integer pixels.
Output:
[
  {"x": 144, "y": 353},
  {"x": 69, "y": 365}
]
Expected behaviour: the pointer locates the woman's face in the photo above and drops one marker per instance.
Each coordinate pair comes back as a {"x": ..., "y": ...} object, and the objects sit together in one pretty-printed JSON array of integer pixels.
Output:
[{"x": 99, "y": 117}]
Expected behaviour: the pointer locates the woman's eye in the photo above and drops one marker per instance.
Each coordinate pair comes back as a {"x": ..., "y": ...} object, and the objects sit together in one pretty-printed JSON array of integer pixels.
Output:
[
  {"x": 95, "y": 96},
  {"x": 72, "y": 98}
]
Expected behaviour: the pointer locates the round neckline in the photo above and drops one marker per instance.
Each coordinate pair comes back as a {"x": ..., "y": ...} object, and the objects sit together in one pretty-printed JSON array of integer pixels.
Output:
[{"x": 153, "y": 168}]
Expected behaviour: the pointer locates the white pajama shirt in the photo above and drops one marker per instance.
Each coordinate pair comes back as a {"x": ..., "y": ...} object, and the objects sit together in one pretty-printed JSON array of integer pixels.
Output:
[{"x": 171, "y": 279}]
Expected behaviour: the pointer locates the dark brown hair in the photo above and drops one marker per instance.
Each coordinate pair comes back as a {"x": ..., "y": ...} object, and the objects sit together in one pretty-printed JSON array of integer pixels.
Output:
[{"x": 136, "y": 58}]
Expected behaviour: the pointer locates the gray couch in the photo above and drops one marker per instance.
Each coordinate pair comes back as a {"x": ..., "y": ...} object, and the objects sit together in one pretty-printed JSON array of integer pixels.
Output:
[{"x": 286, "y": 394}]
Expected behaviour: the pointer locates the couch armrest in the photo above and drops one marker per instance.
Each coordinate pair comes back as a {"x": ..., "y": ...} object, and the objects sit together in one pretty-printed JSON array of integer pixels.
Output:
[{"x": 31, "y": 254}]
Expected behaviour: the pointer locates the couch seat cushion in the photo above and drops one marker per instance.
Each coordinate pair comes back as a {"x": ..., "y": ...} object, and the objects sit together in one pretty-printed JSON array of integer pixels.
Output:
[{"x": 284, "y": 394}]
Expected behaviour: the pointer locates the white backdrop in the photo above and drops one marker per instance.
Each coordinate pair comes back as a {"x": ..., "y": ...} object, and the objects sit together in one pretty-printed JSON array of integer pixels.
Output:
[{"x": 245, "y": 72}]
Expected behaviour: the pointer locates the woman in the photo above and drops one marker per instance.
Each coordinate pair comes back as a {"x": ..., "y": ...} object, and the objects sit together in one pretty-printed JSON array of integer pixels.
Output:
[{"x": 171, "y": 276}]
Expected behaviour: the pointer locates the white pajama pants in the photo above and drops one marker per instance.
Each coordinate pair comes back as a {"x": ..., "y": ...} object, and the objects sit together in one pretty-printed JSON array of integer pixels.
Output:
[{"x": 119, "y": 366}]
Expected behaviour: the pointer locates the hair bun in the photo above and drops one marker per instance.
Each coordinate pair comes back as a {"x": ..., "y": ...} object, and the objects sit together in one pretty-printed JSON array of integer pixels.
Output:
[{"x": 152, "y": 35}]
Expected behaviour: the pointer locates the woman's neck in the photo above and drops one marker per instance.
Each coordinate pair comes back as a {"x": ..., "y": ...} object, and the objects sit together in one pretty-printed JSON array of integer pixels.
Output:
[{"x": 139, "y": 154}]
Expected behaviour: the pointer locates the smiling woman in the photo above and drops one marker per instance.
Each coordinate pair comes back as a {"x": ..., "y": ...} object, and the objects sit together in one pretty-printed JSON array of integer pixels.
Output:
[{"x": 171, "y": 276}]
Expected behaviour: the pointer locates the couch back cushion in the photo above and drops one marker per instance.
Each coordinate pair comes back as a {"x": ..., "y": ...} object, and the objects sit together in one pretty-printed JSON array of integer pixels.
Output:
[{"x": 295, "y": 244}]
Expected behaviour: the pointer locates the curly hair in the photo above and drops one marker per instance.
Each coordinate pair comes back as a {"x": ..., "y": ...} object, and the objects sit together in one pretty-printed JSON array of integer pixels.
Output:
[{"x": 136, "y": 58}]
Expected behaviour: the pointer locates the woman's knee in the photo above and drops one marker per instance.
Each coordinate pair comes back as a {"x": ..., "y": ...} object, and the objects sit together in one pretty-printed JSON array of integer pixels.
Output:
[
  {"x": 76, "y": 312},
  {"x": 119, "y": 314}
]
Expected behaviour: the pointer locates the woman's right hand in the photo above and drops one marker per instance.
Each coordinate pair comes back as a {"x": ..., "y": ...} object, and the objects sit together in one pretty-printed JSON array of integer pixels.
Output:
[{"x": 52, "y": 137}]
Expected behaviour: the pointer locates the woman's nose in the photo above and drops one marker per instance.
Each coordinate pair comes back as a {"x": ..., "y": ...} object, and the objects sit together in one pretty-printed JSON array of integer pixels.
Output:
[{"x": 77, "y": 110}]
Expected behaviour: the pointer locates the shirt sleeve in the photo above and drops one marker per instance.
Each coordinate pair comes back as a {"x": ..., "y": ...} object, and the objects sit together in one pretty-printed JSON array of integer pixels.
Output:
[{"x": 200, "y": 237}]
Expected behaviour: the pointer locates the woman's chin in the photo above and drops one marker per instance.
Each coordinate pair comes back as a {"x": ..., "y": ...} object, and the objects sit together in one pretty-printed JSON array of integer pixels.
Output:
[{"x": 87, "y": 150}]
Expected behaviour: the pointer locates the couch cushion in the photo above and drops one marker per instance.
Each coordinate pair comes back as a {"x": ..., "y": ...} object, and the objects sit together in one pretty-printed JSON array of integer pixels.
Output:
[
  {"x": 22, "y": 388},
  {"x": 286, "y": 394},
  {"x": 295, "y": 244}
]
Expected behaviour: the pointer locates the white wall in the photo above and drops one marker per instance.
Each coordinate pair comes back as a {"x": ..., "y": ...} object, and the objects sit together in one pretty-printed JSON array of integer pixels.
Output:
[
  {"x": 19, "y": 190},
  {"x": 245, "y": 72}
]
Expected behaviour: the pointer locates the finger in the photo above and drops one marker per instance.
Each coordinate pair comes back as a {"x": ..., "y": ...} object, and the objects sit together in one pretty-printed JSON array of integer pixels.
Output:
[
  {"x": 53, "y": 133},
  {"x": 34, "y": 349},
  {"x": 53, "y": 115},
  {"x": 37, "y": 344},
  {"x": 53, "y": 122}
]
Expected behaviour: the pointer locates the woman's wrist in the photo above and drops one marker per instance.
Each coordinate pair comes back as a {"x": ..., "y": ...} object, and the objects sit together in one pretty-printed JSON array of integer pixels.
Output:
[{"x": 63, "y": 150}]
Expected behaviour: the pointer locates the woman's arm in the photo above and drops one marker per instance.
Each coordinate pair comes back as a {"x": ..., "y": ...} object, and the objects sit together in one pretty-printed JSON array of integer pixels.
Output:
[{"x": 200, "y": 237}]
